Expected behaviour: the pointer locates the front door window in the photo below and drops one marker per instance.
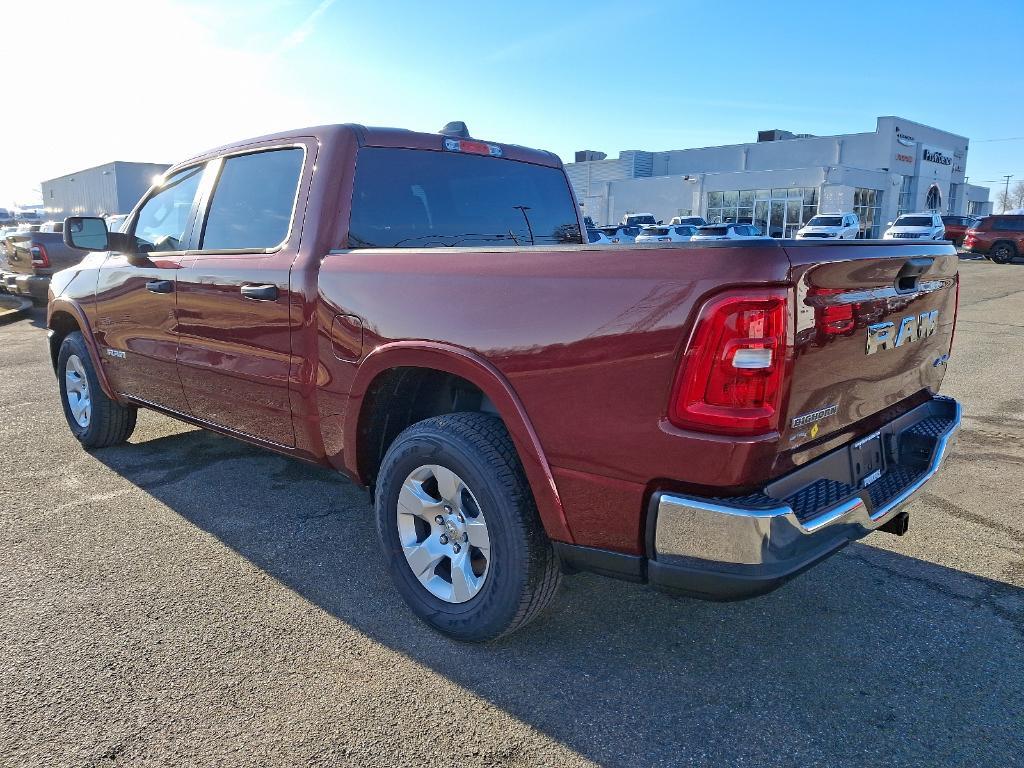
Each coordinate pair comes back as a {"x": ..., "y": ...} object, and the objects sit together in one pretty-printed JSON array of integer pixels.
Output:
[{"x": 163, "y": 219}]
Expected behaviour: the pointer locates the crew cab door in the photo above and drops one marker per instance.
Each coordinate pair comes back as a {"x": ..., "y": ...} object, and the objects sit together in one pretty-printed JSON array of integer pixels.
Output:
[
  {"x": 234, "y": 353},
  {"x": 136, "y": 322}
]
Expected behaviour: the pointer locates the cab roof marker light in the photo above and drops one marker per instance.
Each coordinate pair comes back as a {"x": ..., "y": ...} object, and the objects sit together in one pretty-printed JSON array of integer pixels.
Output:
[{"x": 472, "y": 147}]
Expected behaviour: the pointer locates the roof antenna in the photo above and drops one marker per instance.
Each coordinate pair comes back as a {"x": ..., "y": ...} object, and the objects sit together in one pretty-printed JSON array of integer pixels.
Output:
[{"x": 456, "y": 129}]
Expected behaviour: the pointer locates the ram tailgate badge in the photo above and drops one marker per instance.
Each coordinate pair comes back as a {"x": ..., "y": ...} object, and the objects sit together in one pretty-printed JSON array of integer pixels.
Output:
[{"x": 886, "y": 336}]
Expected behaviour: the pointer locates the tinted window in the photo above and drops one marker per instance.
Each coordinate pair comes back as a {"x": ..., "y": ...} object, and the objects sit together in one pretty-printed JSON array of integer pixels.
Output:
[
  {"x": 253, "y": 201},
  {"x": 407, "y": 198},
  {"x": 160, "y": 225},
  {"x": 1009, "y": 224},
  {"x": 718, "y": 231},
  {"x": 685, "y": 231},
  {"x": 913, "y": 221},
  {"x": 825, "y": 221}
]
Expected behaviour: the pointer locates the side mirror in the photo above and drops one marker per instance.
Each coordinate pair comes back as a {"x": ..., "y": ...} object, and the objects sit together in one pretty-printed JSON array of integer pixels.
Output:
[{"x": 86, "y": 233}]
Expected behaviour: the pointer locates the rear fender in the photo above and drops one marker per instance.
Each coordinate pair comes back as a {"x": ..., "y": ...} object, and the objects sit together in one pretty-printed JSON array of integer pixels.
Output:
[
  {"x": 58, "y": 305},
  {"x": 478, "y": 371}
]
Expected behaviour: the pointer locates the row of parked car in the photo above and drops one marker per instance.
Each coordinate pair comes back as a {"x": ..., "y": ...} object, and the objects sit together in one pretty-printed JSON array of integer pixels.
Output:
[{"x": 999, "y": 237}]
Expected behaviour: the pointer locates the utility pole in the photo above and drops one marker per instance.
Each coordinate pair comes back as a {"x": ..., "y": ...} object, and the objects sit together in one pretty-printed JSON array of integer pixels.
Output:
[{"x": 1006, "y": 197}]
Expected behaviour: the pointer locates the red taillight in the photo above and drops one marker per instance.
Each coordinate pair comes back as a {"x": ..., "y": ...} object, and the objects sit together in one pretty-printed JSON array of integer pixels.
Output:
[
  {"x": 472, "y": 147},
  {"x": 39, "y": 257},
  {"x": 731, "y": 377}
]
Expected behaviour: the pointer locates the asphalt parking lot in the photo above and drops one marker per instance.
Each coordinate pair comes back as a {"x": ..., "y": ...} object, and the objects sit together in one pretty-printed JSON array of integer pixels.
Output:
[{"x": 189, "y": 600}]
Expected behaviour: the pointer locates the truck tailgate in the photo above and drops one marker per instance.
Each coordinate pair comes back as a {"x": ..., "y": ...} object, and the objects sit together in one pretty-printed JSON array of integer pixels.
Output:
[
  {"x": 874, "y": 324},
  {"x": 19, "y": 256}
]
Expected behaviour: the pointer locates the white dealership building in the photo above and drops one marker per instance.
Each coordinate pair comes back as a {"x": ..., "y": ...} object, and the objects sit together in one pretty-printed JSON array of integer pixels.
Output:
[{"x": 782, "y": 179}]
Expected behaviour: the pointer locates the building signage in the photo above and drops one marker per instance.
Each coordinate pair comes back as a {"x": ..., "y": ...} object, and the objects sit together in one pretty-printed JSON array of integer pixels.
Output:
[
  {"x": 904, "y": 158},
  {"x": 936, "y": 156},
  {"x": 904, "y": 139}
]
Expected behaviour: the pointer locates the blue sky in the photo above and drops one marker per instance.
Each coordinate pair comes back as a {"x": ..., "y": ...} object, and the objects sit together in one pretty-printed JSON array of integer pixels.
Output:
[{"x": 607, "y": 75}]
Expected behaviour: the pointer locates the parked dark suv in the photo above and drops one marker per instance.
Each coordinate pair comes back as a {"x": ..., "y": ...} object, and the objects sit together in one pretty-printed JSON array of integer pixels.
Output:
[
  {"x": 957, "y": 226},
  {"x": 1000, "y": 238}
]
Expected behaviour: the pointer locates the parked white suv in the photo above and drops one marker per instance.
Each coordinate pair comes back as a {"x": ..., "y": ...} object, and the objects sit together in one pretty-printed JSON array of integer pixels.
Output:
[
  {"x": 620, "y": 233},
  {"x": 728, "y": 231},
  {"x": 639, "y": 220},
  {"x": 839, "y": 226},
  {"x": 677, "y": 233},
  {"x": 916, "y": 226},
  {"x": 697, "y": 221}
]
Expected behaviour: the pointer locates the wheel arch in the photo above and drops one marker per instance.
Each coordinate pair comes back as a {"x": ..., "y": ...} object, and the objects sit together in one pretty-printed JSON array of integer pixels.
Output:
[
  {"x": 64, "y": 317},
  {"x": 444, "y": 359}
]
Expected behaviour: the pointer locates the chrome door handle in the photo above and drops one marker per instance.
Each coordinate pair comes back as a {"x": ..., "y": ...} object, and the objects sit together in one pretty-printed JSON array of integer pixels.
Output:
[{"x": 260, "y": 292}]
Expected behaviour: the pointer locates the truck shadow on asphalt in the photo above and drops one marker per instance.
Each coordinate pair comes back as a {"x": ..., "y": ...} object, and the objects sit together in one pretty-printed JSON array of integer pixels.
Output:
[{"x": 873, "y": 655}]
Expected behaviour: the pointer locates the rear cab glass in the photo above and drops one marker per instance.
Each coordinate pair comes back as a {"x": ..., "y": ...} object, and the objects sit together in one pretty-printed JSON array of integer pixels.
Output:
[{"x": 414, "y": 198}]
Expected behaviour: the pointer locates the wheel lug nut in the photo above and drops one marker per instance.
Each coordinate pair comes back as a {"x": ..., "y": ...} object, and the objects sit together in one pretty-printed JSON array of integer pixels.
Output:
[
  {"x": 465, "y": 537},
  {"x": 443, "y": 539},
  {"x": 439, "y": 520},
  {"x": 457, "y": 548},
  {"x": 462, "y": 517},
  {"x": 447, "y": 509}
]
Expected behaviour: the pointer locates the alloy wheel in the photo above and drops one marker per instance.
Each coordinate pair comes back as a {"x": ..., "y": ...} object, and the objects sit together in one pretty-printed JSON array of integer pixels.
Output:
[
  {"x": 443, "y": 534},
  {"x": 76, "y": 385}
]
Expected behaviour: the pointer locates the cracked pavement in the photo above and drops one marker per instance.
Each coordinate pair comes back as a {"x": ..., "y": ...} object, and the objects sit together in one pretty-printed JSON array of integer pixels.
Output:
[{"x": 189, "y": 600}]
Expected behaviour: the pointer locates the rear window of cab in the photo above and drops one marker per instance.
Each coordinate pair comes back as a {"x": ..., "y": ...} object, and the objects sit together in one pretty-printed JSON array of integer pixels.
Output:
[{"x": 414, "y": 198}]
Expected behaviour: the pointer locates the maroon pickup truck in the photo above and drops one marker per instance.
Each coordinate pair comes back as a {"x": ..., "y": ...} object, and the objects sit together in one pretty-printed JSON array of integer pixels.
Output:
[{"x": 420, "y": 312}]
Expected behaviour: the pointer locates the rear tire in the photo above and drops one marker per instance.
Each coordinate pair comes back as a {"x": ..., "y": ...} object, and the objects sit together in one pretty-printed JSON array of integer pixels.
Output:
[
  {"x": 519, "y": 575},
  {"x": 1002, "y": 252},
  {"x": 95, "y": 420}
]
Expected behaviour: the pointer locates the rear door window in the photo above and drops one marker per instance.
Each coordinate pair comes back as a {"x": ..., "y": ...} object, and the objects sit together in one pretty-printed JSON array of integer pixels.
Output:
[
  {"x": 408, "y": 198},
  {"x": 253, "y": 201}
]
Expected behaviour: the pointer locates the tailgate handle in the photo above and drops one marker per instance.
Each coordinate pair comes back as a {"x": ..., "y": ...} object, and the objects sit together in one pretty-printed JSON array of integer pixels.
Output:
[{"x": 906, "y": 280}]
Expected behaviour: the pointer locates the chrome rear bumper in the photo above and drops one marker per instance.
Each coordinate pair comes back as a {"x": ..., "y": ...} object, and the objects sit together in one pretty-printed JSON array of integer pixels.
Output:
[{"x": 734, "y": 548}]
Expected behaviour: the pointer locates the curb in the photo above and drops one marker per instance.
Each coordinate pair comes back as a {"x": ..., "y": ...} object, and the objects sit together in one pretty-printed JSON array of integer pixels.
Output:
[{"x": 13, "y": 307}]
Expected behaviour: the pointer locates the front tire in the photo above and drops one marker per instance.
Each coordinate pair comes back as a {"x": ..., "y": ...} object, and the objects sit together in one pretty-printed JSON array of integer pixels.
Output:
[
  {"x": 1002, "y": 252},
  {"x": 459, "y": 528},
  {"x": 95, "y": 420}
]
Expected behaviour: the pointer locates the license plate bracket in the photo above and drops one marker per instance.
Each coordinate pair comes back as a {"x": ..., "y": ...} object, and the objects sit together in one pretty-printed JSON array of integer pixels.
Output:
[{"x": 867, "y": 460}]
